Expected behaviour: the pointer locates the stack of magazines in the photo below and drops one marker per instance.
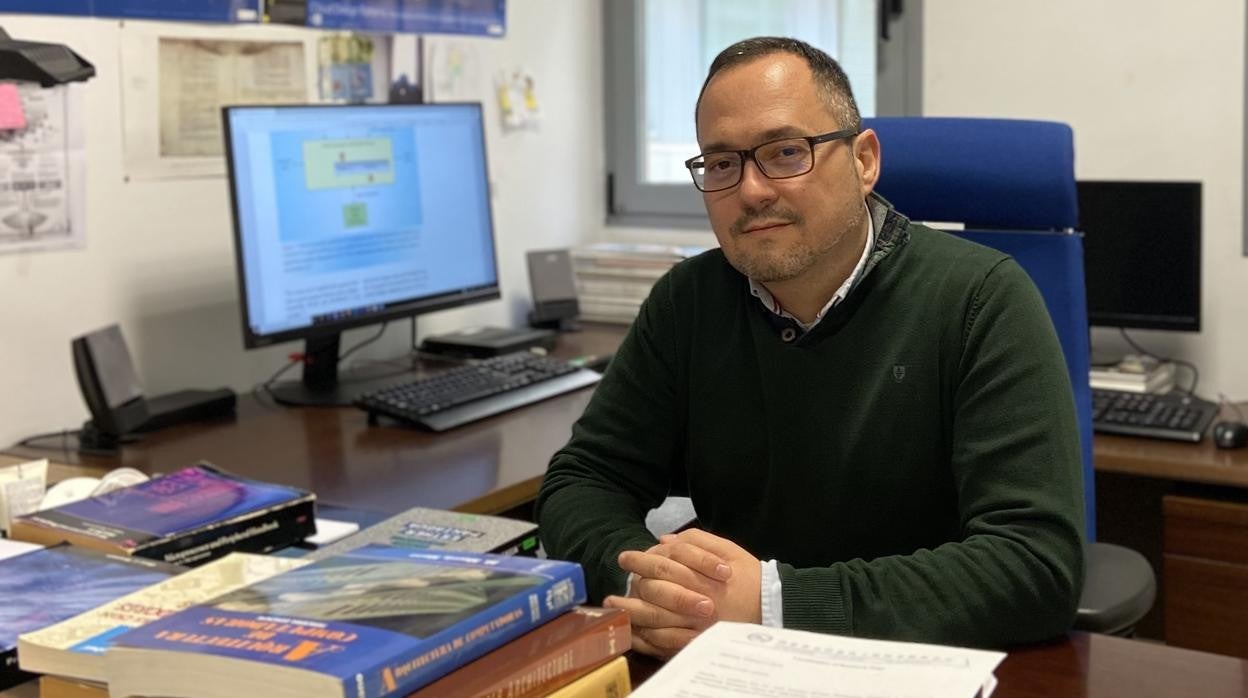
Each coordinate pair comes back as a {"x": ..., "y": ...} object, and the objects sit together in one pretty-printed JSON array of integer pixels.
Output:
[{"x": 1134, "y": 374}]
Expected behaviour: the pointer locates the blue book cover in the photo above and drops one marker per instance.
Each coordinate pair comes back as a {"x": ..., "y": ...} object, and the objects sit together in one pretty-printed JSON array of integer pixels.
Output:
[
  {"x": 371, "y": 622},
  {"x": 47, "y": 586},
  {"x": 191, "y": 515}
]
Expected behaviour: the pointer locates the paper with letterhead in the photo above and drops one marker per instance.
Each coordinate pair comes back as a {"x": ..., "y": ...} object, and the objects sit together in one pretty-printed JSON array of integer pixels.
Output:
[{"x": 743, "y": 659}]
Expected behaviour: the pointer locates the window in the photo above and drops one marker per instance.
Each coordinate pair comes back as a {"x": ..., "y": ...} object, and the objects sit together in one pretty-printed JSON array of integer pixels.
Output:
[{"x": 657, "y": 55}]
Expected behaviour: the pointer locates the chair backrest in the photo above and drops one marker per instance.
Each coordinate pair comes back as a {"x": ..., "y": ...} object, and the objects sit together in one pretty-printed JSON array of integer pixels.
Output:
[{"x": 1012, "y": 183}]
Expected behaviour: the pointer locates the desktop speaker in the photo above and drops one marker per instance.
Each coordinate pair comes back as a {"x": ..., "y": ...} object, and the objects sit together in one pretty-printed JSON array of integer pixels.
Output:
[
  {"x": 110, "y": 386},
  {"x": 554, "y": 290}
]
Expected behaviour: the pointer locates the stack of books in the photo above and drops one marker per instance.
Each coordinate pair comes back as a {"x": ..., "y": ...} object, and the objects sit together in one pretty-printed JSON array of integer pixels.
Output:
[
  {"x": 411, "y": 606},
  {"x": 1134, "y": 374},
  {"x": 188, "y": 517},
  {"x": 613, "y": 278},
  {"x": 46, "y": 586}
]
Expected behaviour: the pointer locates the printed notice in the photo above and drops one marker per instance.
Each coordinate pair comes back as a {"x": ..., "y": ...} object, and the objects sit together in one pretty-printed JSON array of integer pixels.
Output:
[
  {"x": 42, "y": 172},
  {"x": 176, "y": 79},
  {"x": 199, "y": 76}
]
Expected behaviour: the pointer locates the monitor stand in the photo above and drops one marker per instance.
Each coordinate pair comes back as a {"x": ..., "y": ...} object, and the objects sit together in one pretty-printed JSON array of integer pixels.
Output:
[{"x": 320, "y": 386}]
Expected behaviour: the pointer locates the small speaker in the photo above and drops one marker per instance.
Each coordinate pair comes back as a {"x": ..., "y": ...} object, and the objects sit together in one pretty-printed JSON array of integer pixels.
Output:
[{"x": 554, "y": 290}]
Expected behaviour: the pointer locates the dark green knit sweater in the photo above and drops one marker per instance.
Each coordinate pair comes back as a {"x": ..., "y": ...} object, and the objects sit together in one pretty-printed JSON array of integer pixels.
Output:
[{"x": 912, "y": 462}]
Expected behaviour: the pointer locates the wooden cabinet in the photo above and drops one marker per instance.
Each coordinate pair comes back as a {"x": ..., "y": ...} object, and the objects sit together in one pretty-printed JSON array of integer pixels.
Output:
[{"x": 1206, "y": 574}]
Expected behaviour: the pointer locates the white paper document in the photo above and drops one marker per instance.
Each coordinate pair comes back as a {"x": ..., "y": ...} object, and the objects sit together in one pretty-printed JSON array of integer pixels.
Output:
[
  {"x": 742, "y": 659},
  {"x": 43, "y": 172},
  {"x": 176, "y": 78}
]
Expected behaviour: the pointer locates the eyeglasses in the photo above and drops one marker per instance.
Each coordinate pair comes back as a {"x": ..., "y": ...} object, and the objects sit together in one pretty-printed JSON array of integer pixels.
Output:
[{"x": 778, "y": 159}]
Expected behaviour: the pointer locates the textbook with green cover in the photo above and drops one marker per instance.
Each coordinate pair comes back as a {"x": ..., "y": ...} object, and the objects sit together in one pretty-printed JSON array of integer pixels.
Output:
[
  {"x": 371, "y": 622},
  {"x": 75, "y": 647}
]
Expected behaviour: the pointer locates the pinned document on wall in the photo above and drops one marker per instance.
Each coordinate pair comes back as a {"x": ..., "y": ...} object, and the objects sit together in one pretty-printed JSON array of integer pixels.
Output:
[
  {"x": 518, "y": 106},
  {"x": 42, "y": 167},
  {"x": 176, "y": 79},
  {"x": 353, "y": 68}
]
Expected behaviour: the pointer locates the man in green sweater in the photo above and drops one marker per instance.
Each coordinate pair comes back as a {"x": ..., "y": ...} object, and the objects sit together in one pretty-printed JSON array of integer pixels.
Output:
[{"x": 873, "y": 419}]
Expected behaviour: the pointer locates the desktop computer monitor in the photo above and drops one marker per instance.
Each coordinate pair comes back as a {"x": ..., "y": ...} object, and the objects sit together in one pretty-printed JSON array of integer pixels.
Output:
[
  {"x": 353, "y": 215},
  {"x": 1142, "y": 253}
]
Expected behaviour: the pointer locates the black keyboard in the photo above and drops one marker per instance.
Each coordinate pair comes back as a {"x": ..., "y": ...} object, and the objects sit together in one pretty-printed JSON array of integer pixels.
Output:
[
  {"x": 467, "y": 393},
  {"x": 1171, "y": 415}
]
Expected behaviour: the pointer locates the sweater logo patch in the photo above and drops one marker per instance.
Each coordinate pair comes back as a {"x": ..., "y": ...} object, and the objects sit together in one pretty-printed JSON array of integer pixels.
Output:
[{"x": 899, "y": 373}]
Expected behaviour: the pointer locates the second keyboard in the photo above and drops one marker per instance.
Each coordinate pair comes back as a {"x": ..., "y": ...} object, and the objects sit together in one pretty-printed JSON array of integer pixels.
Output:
[{"x": 1172, "y": 415}]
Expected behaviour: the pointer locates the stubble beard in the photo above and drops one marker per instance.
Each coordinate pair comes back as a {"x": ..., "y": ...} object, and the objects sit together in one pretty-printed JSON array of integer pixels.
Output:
[{"x": 772, "y": 260}]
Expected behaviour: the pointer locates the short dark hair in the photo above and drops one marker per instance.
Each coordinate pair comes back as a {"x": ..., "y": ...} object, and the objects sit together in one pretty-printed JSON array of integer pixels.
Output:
[{"x": 830, "y": 79}]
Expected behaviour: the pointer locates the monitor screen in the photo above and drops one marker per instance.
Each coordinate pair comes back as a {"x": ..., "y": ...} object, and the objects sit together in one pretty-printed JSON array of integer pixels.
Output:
[
  {"x": 1142, "y": 253},
  {"x": 351, "y": 215}
]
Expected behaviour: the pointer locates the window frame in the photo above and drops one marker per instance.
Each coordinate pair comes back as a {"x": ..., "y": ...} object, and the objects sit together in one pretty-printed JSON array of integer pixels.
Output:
[{"x": 629, "y": 201}]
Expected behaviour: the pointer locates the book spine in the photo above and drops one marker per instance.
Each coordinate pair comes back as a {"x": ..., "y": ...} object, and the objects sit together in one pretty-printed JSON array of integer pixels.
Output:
[
  {"x": 547, "y": 671},
  {"x": 51, "y": 527},
  {"x": 607, "y": 681},
  {"x": 259, "y": 532},
  {"x": 454, "y": 647}
]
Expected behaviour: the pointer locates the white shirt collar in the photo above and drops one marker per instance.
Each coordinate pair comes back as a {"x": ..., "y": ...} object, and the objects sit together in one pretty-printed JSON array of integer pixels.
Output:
[{"x": 773, "y": 305}]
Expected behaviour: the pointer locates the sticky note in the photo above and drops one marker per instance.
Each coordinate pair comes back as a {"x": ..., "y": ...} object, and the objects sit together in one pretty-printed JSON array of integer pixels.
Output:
[{"x": 12, "y": 115}]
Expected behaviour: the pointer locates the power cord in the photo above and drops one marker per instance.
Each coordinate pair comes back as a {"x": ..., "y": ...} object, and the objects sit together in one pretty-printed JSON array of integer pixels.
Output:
[
  {"x": 1224, "y": 402},
  {"x": 296, "y": 358},
  {"x": 1191, "y": 392},
  {"x": 63, "y": 446}
]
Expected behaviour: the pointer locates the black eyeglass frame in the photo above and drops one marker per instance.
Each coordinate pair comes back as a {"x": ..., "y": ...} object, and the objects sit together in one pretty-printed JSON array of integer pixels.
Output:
[{"x": 752, "y": 154}]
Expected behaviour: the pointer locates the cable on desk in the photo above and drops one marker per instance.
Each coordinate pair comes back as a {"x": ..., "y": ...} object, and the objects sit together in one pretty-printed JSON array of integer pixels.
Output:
[
  {"x": 1177, "y": 362},
  {"x": 1224, "y": 402},
  {"x": 342, "y": 357},
  {"x": 64, "y": 445}
]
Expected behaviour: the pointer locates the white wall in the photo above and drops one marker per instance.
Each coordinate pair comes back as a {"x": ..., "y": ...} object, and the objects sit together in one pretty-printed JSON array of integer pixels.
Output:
[
  {"x": 159, "y": 255},
  {"x": 1154, "y": 89}
]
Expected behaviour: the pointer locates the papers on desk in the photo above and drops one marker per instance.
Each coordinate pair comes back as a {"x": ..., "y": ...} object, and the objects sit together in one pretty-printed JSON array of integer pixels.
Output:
[{"x": 742, "y": 659}]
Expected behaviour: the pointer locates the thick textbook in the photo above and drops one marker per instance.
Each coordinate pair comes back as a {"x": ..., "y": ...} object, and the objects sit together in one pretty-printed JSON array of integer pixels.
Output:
[
  {"x": 610, "y": 680},
  {"x": 47, "y": 586},
  {"x": 439, "y": 529},
  {"x": 187, "y": 517},
  {"x": 371, "y": 622},
  {"x": 541, "y": 660},
  {"x": 75, "y": 647}
]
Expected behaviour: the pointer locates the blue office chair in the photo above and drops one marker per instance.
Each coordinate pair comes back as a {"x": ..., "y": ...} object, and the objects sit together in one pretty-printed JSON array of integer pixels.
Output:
[{"x": 1012, "y": 183}]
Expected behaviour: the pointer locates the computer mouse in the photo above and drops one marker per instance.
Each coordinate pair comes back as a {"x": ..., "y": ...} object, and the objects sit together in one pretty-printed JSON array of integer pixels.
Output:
[{"x": 1230, "y": 434}]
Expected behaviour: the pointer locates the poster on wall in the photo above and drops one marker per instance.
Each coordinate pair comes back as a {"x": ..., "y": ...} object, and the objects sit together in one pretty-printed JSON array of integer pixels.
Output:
[
  {"x": 176, "y": 79},
  {"x": 172, "y": 10},
  {"x": 42, "y": 167},
  {"x": 476, "y": 17}
]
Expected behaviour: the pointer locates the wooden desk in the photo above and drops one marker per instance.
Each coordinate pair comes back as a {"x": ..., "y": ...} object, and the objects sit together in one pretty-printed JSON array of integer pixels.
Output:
[
  {"x": 1096, "y": 666},
  {"x": 1082, "y": 666},
  {"x": 1172, "y": 460},
  {"x": 489, "y": 466},
  {"x": 1185, "y": 508}
]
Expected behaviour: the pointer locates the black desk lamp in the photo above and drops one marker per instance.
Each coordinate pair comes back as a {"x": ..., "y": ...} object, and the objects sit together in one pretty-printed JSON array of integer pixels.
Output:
[{"x": 46, "y": 64}]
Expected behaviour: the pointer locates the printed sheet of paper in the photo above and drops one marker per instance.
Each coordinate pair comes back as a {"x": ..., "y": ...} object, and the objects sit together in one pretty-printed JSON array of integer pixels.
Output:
[
  {"x": 742, "y": 659},
  {"x": 43, "y": 171},
  {"x": 198, "y": 77},
  {"x": 176, "y": 79}
]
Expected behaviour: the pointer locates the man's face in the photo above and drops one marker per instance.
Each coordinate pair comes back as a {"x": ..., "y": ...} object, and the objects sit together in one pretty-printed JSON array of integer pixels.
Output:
[{"x": 776, "y": 230}]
